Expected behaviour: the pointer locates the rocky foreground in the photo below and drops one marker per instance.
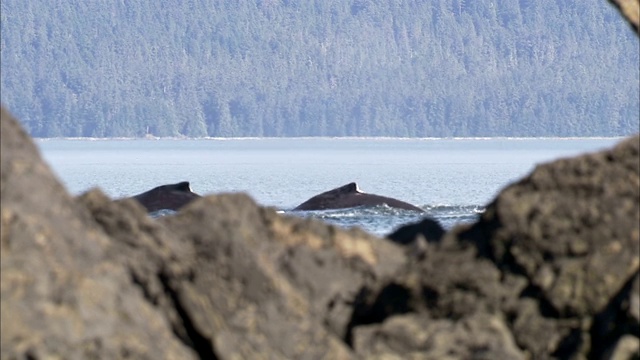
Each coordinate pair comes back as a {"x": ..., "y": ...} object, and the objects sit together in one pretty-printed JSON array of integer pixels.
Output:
[{"x": 551, "y": 270}]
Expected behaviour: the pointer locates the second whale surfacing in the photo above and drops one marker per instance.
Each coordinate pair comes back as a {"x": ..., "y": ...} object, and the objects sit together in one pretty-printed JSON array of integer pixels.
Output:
[
  {"x": 167, "y": 197},
  {"x": 349, "y": 196}
]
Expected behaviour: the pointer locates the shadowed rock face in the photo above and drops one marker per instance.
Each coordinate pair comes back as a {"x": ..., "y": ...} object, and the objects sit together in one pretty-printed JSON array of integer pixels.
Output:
[
  {"x": 172, "y": 197},
  {"x": 349, "y": 196},
  {"x": 428, "y": 228},
  {"x": 555, "y": 257}
]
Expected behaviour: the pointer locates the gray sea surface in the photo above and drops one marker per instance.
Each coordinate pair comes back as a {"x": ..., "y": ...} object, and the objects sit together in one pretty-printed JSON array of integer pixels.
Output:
[{"x": 451, "y": 179}]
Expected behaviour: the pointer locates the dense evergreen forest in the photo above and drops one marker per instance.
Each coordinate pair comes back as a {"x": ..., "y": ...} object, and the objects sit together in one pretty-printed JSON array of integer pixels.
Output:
[{"x": 410, "y": 68}]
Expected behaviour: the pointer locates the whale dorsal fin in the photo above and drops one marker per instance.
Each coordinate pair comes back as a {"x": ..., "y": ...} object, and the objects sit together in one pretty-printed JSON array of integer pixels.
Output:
[
  {"x": 350, "y": 188},
  {"x": 182, "y": 186}
]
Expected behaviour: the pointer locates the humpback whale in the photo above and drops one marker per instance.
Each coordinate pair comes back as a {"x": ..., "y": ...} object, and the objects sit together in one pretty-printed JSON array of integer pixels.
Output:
[
  {"x": 172, "y": 197},
  {"x": 348, "y": 196}
]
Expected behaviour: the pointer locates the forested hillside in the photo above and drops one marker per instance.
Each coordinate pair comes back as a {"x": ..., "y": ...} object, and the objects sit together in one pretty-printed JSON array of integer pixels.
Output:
[{"x": 319, "y": 68}]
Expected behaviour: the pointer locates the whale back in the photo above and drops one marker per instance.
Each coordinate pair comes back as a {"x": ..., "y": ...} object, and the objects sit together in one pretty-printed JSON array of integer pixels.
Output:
[
  {"x": 329, "y": 199},
  {"x": 348, "y": 196},
  {"x": 171, "y": 197}
]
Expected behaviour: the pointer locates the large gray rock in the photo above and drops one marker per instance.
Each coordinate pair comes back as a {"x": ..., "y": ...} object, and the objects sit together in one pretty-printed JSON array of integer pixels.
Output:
[
  {"x": 556, "y": 253},
  {"x": 481, "y": 336},
  {"x": 571, "y": 227},
  {"x": 282, "y": 277},
  {"x": 246, "y": 281},
  {"x": 63, "y": 293},
  {"x": 448, "y": 304},
  {"x": 572, "y": 230},
  {"x": 222, "y": 301}
]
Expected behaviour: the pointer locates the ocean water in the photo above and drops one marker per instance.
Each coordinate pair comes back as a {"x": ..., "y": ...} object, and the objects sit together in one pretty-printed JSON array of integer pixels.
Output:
[{"x": 451, "y": 179}]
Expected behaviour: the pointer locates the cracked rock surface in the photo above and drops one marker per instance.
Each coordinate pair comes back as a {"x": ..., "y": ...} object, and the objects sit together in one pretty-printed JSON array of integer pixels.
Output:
[{"x": 64, "y": 290}]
